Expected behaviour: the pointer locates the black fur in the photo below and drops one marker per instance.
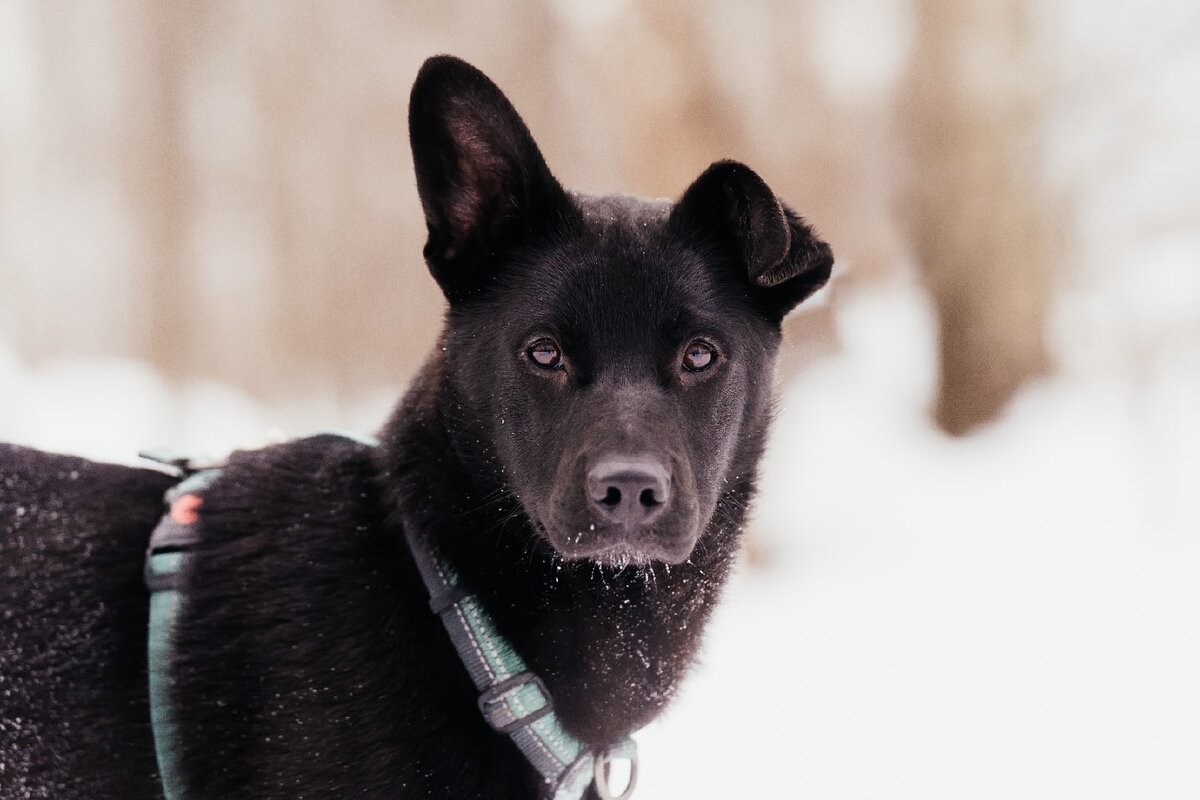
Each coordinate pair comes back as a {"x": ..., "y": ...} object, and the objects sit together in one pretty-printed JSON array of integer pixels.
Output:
[
  {"x": 74, "y": 720},
  {"x": 308, "y": 662}
]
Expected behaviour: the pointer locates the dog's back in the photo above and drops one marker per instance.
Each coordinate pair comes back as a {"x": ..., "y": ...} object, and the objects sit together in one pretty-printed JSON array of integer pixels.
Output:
[{"x": 73, "y": 614}]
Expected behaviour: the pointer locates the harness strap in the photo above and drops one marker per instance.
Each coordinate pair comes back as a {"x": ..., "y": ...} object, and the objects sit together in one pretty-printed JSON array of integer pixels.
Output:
[
  {"x": 512, "y": 699},
  {"x": 166, "y": 564}
]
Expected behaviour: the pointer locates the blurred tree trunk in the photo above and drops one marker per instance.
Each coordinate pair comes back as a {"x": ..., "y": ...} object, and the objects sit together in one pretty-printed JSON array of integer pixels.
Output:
[
  {"x": 157, "y": 178},
  {"x": 978, "y": 219}
]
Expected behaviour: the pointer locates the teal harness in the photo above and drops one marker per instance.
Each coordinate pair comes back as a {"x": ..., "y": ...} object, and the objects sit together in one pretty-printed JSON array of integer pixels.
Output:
[{"x": 513, "y": 700}]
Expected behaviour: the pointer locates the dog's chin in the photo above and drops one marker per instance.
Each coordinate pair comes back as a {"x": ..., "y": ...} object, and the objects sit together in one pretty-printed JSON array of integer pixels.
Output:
[
  {"x": 620, "y": 557},
  {"x": 617, "y": 548}
]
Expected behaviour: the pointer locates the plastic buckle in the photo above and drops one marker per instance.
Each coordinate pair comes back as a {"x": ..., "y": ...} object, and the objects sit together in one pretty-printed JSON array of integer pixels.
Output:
[
  {"x": 158, "y": 581},
  {"x": 497, "y": 712}
]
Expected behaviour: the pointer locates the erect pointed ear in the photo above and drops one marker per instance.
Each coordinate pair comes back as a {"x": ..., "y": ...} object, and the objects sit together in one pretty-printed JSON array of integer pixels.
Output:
[
  {"x": 784, "y": 260},
  {"x": 484, "y": 185}
]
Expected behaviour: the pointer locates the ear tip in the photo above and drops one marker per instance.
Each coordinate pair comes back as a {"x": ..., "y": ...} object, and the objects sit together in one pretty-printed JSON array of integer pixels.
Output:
[
  {"x": 444, "y": 63},
  {"x": 442, "y": 73},
  {"x": 734, "y": 169},
  {"x": 821, "y": 264},
  {"x": 729, "y": 163}
]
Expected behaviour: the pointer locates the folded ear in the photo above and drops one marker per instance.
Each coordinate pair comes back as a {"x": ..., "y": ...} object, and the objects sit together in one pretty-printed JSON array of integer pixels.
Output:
[
  {"x": 783, "y": 259},
  {"x": 483, "y": 183}
]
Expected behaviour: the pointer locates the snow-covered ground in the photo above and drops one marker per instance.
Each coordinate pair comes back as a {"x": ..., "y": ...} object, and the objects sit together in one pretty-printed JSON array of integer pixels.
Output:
[{"x": 1012, "y": 615}]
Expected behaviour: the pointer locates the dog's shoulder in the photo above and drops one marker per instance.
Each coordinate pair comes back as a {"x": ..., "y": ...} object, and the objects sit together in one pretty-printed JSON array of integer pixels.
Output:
[
  {"x": 305, "y": 486},
  {"x": 288, "y": 510}
]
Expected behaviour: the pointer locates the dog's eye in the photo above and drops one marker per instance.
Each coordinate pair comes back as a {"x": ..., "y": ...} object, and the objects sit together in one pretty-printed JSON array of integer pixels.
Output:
[
  {"x": 545, "y": 353},
  {"x": 699, "y": 356}
]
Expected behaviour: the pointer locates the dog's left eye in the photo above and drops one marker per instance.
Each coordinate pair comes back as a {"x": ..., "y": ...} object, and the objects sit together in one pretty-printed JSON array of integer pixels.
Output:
[
  {"x": 545, "y": 354},
  {"x": 699, "y": 356}
]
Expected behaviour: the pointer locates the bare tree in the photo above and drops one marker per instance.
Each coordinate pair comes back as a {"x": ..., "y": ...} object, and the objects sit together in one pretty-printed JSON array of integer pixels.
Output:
[
  {"x": 981, "y": 226},
  {"x": 156, "y": 177}
]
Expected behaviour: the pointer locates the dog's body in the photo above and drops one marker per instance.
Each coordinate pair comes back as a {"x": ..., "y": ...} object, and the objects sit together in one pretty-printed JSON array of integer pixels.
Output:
[{"x": 581, "y": 447}]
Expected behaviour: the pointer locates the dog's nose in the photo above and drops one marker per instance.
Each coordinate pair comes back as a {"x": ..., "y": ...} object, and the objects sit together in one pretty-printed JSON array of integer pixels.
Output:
[{"x": 630, "y": 491}]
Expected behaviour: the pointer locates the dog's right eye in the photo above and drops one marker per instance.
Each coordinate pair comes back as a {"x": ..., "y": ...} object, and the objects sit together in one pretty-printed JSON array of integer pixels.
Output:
[
  {"x": 545, "y": 354},
  {"x": 699, "y": 356}
]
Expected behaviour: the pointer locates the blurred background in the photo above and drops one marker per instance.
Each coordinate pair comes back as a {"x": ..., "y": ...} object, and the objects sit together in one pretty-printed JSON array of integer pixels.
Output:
[{"x": 975, "y": 566}]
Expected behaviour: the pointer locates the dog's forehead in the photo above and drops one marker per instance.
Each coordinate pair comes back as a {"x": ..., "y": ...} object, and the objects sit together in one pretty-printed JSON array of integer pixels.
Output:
[
  {"x": 625, "y": 248},
  {"x": 625, "y": 269}
]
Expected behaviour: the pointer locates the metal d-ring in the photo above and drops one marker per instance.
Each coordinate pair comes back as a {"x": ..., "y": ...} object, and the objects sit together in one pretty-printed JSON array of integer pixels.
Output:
[{"x": 600, "y": 775}]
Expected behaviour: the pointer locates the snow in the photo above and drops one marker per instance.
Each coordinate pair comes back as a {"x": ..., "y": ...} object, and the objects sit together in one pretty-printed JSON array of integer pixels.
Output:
[
  {"x": 1010, "y": 615},
  {"x": 109, "y": 408}
]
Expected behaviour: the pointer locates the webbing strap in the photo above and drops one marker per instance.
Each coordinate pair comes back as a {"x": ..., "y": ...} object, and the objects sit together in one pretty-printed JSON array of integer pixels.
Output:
[
  {"x": 166, "y": 562},
  {"x": 513, "y": 700}
]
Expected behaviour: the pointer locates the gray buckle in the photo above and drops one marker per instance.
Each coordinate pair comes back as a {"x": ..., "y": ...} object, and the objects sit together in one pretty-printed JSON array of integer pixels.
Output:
[{"x": 496, "y": 711}]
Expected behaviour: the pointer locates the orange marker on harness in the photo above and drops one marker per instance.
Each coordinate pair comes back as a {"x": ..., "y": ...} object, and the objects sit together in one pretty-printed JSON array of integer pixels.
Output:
[{"x": 185, "y": 510}]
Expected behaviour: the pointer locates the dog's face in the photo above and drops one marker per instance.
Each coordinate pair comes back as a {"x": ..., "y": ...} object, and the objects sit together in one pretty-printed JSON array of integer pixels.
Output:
[{"x": 614, "y": 356}]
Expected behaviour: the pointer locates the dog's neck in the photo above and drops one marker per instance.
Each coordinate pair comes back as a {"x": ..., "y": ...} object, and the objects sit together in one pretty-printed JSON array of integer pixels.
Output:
[{"x": 611, "y": 645}]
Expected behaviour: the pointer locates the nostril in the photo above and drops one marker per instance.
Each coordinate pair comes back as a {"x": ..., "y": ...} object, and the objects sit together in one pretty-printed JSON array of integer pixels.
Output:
[
  {"x": 648, "y": 499},
  {"x": 630, "y": 491}
]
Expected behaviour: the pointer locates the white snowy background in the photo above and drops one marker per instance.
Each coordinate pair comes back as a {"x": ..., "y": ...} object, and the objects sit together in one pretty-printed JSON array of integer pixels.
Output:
[{"x": 1013, "y": 614}]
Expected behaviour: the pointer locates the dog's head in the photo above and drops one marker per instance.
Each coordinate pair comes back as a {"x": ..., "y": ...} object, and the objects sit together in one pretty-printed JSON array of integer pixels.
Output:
[{"x": 610, "y": 360}]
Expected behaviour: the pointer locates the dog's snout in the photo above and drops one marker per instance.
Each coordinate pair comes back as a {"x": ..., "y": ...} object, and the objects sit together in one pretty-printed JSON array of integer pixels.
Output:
[{"x": 630, "y": 491}]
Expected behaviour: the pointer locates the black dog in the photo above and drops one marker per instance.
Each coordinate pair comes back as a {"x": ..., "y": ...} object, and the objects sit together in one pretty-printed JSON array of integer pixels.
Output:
[{"x": 581, "y": 446}]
